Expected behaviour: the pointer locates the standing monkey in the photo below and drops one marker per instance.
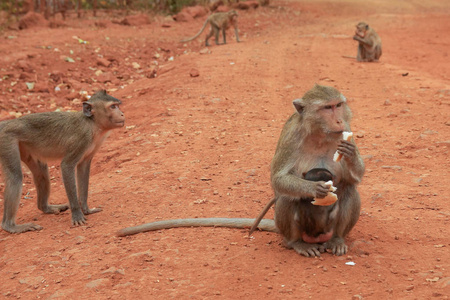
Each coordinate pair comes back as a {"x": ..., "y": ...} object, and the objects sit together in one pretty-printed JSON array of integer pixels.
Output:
[
  {"x": 369, "y": 43},
  {"x": 307, "y": 143},
  {"x": 218, "y": 21},
  {"x": 73, "y": 137}
]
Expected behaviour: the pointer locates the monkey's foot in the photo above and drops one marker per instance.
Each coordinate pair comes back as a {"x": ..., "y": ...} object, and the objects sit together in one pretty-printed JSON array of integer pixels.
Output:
[
  {"x": 337, "y": 246},
  {"x": 54, "y": 209},
  {"x": 78, "y": 218},
  {"x": 21, "y": 228},
  {"x": 88, "y": 211},
  {"x": 308, "y": 250}
]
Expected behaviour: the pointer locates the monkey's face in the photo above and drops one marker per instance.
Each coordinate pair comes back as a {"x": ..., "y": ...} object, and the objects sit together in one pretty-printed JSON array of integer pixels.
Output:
[
  {"x": 332, "y": 117},
  {"x": 360, "y": 32},
  {"x": 361, "y": 29},
  {"x": 108, "y": 115}
]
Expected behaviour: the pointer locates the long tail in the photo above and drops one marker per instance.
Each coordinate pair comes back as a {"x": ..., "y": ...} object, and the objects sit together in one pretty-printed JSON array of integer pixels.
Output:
[
  {"x": 266, "y": 224},
  {"x": 196, "y": 36},
  {"x": 261, "y": 215},
  {"x": 346, "y": 56}
]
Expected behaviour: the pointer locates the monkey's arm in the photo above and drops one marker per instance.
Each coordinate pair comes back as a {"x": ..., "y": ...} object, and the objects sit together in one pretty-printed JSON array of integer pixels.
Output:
[
  {"x": 355, "y": 165},
  {"x": 367, "y": 42},
  {"x": 266, "y": 224},
  {"x": 296, "y": 187}
]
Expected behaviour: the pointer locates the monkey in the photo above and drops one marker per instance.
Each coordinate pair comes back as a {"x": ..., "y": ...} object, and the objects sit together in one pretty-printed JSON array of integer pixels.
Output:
[
  {"x": 218, "y": 21},
  {"x": 369, "y": 43},
  {"x": 72, "y": 137},
  {"x": 316, "y": 219},
  {"x": 308, "y": 140}
]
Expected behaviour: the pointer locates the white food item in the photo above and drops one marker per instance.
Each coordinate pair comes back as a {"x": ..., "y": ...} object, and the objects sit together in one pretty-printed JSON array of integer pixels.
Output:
[
  {"x": 329, "y": 199},
  {"x": 346, "y": 136}
]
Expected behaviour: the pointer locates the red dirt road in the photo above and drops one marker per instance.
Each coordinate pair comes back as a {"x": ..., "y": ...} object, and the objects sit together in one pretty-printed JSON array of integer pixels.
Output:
[{"x": 201, "y": 147}]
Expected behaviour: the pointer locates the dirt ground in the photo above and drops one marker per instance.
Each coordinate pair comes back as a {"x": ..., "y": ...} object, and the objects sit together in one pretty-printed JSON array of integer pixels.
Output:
[{"x": 201, "y": 146}]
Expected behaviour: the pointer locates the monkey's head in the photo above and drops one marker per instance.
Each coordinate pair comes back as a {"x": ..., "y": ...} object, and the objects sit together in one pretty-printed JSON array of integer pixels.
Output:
[
  {"x": 318, "y": 174},
  {"x": 323, "y": 110},
  {"x": 104, "y": 110},
  {"x": 361, "y": 29},
  {"x": 233, "y": 13}
]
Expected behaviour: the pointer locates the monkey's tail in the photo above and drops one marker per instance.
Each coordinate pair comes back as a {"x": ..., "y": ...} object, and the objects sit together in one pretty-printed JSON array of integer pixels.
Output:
[
  {"x": 260, "y": 216},
  {"x": 195, "y": 36},
  {"x": 266, "y": 224},
  {"x": 347, "y": 56}
]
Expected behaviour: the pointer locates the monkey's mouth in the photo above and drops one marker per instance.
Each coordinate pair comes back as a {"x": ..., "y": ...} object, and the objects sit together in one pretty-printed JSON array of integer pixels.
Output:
[{"x": 120, "y": 124}]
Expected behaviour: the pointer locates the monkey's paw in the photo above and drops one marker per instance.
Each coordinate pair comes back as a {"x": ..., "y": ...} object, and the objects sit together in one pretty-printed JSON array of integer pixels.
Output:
[
  {"x": 337, "y": 246},
  {"x": 308, "y": 250},
  {"x": 21, "y": 228},
  {"x": 78, "y": 218}
]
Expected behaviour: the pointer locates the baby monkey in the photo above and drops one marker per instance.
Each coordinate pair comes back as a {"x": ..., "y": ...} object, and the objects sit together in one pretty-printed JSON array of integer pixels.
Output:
[{"x": 218, "y": 21}]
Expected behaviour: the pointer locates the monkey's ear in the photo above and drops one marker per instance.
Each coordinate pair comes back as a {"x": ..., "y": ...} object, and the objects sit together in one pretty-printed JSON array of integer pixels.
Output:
[
  {"x": 87, "y": 109},
  {"x": 299, "y": 106},
  {"x": 367, "y": 27}
]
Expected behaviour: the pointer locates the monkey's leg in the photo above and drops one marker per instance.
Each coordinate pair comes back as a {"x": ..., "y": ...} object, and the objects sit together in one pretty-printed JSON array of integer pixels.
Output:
[
  {"x": 224, "y": 36},
  {"x": 12, "y": 171},
  {"x": 348, "y": 215},
  {"x": 216, "y": 34},
  {"x": 83, "y": 170},
  {"x": 210, "y": 34},
  {"x": 236, "y": 33},
  {"x": 42, "y": 182},
  {"x": 68, "y": 175}
]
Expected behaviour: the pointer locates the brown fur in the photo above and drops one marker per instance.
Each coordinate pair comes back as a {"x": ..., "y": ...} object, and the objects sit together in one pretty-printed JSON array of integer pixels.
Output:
[
  {"x": 369, "y": 43},
  {"x": 308, "y": 140},
  {"x": 72, "y": 137}
]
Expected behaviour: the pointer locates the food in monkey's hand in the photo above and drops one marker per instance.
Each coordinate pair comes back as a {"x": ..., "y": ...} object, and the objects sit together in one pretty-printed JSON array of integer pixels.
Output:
[
  {"x": 329, "y": 199},
  {"x": 346, "y": 136}
]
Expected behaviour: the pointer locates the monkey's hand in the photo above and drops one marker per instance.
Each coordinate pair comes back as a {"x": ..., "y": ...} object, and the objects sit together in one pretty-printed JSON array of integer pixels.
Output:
[
  {"x": 356, "y": 38},
  {"x": 347, "y": 149},
  {"x": 319, "y": 189}
]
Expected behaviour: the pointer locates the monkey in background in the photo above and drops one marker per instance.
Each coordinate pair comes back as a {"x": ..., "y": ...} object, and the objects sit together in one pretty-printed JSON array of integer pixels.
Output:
[
  {"x": 369, "y": 43},
  {"x": 308, "y": 141},
  {"x": 219, "y": 21},
  {"x": 73, "y": 137}
]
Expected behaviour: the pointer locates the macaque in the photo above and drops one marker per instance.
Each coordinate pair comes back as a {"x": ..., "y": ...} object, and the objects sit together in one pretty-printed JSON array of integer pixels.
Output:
[
  {"x": 369, "y": 43},
  {"x": 219, "y": 21},
  {"x": 307, "y": 143},
  {"x": 309, "y": 140},
  {"x": 314, "y": 219},
  {"x": 72, "y": 137}
]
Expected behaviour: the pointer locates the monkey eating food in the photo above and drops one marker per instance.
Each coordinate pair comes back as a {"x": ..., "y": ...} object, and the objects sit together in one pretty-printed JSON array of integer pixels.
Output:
[
  {"x": 220, "y": 21},
  {"x": 72, "y": 137},
  {"x": 308, "y": 141},
  {"x": 369, "y": 43}
]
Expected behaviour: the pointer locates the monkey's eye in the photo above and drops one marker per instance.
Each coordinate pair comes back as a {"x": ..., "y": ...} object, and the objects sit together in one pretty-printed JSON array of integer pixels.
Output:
[
  {"x": 113, "y": 106},
  {"x": 328, "y": 107},
  {"x": 339, "y": 104}
]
